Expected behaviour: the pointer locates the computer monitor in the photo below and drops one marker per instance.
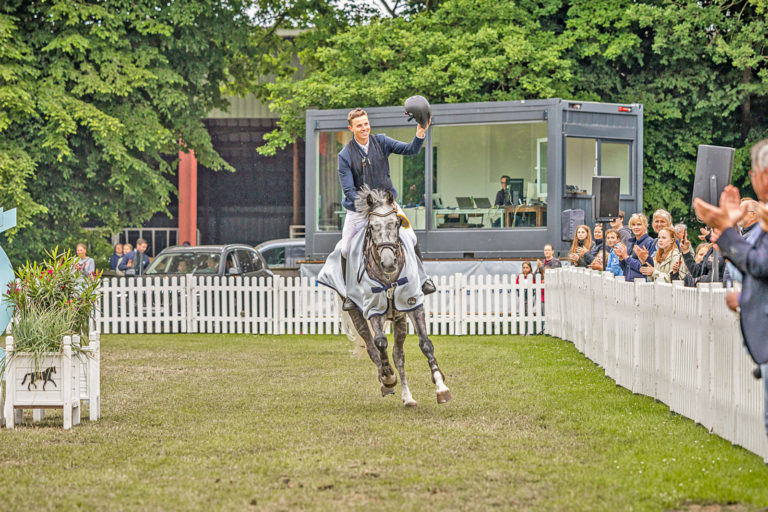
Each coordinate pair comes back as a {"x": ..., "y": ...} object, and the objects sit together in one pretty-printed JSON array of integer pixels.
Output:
[
  {"x": 516, "y": 186},
  {"x": 530, "y": 192}
]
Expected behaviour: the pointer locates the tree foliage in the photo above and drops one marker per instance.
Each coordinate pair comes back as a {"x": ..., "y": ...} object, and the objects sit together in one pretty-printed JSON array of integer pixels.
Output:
[
  {"x": 96, "y": 97},
  {"x": 699, "y": 68}
]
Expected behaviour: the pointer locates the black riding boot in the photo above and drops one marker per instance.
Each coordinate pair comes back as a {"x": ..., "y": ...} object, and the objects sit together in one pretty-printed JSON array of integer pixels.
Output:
[
  {"x": 428, "y": 286},
  {"x": 348, "y": 305}
]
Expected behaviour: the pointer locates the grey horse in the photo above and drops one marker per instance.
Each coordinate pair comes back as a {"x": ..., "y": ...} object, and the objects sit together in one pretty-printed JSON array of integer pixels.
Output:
[{"x": 384, "y": 259}]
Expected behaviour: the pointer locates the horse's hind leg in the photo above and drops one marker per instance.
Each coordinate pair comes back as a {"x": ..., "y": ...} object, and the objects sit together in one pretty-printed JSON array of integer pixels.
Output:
[
  {"x": 398, "y": 354},
  {"x": 387, "y": 374},
  {"x": 361, "y": 325},
  {"x": 420, "y": 325}
]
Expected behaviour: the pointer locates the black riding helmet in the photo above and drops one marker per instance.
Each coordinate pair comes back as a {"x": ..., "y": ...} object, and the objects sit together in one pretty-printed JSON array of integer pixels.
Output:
[{"x": 417, "y": 107}]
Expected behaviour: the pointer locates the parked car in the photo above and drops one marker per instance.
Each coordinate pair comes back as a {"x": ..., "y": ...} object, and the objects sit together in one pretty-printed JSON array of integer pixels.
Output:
[
  {"x": 214, "y": 260},
  {"x": 283, "y": 252}
]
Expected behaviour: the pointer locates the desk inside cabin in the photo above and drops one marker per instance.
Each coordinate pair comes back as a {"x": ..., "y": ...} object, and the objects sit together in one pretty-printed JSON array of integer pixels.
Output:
[
  {"x": 539, "y": 210},
  {"x": 466, "y": 217}
]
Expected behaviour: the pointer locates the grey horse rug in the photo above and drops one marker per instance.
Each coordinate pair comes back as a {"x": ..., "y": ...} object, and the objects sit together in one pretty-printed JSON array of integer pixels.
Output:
[{"x": 367, "y": 293}]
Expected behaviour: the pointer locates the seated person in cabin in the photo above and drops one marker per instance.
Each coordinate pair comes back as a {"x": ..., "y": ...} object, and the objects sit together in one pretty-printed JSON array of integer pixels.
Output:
[{"x": 504, "y": 196}]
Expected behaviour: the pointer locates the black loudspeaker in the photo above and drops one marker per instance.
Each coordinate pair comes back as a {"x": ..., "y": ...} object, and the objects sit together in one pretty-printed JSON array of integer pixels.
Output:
[
  {"x": 714, "y": 168},
  {"x": 605, "y": 190},
  {"x": 569, "y": 221}
]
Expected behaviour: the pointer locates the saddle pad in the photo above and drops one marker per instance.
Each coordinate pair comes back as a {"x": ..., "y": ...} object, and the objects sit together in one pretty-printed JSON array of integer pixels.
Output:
[{"x": 368, "y": 294}]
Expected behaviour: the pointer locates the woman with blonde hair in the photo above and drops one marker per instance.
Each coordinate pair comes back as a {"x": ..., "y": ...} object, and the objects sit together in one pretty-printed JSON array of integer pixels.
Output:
[
  {"x": 666, "y": 259},
  {"x": 581, "y": 245},
  {"x": 638, "y": 250}
]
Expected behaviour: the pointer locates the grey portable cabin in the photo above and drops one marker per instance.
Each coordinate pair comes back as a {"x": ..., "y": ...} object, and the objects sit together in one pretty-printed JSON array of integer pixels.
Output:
[{"x": 449, "y": 190}]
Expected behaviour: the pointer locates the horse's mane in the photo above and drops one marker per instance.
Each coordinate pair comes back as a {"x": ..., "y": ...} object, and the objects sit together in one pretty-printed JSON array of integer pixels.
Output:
[{"x": 378, "y": 197}]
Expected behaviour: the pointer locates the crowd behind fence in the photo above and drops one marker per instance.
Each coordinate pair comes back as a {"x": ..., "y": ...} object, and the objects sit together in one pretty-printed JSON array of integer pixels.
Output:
[
  {"x": 679, "y": 345},
  {"x": 463, "y": 305}
]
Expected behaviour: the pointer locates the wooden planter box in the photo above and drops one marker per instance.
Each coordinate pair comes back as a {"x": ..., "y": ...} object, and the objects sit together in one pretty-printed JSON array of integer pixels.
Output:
[{"x": 56, "y": 384}]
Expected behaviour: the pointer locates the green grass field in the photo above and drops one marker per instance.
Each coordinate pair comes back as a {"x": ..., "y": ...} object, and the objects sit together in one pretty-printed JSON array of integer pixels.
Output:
[{"x": 238, "y": 422}]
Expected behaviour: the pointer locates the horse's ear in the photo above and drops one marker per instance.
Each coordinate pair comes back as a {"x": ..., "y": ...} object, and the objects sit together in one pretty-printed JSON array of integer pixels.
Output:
[
  {"x": 369, "y": 200},
  {"x": 390, "y": 197}
]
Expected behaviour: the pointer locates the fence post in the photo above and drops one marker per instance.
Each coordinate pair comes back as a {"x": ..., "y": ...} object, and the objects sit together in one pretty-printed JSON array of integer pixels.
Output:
[
  {"x": 189, "y": 294},
  {"x": 277, "y": 304},
  {"x": 459, "y": 293}
]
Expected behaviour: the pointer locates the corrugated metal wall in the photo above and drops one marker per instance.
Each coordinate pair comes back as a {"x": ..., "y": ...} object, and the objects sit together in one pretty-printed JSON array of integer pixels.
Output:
[
  {"x": 251, "y": 205},
  {"x": 255, "y": 203}
]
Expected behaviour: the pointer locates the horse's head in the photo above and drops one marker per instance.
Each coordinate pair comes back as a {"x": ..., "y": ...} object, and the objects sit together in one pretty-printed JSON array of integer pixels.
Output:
[{"x": 383, "y": 225}]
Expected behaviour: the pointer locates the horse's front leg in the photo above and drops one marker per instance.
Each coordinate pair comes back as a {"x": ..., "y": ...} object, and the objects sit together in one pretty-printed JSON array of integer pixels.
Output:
[
  {"x": 361, "y": 326},
  {"x": 420, "y": 325},
  {"x": 387, "y": 374},
  {"x": 398, "y": 354}
]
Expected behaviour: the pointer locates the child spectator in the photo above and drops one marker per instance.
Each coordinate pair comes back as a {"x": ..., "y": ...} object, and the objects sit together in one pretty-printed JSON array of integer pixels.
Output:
[
  {"x": 611, "y": 239},
  {"x": 639, "y": 251},
  {"x": 580, "y": 246},
  {"x": 527, "y": 275},
  {"x": 127, "y": 253},
  {"x": 668, "y": 264}
]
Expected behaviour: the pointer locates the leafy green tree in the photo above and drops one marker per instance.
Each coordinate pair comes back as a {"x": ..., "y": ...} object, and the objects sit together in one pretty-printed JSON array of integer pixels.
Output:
[
  {"x": 465, "y": 50},
  {"x": 699, "y": 68},
  {"x": 96, "y": 97}
]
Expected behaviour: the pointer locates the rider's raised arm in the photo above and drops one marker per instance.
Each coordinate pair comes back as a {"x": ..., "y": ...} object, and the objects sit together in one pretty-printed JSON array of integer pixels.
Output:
[
  {"x": 390, "y": 145},
  {"x": 345, "y": 177}
]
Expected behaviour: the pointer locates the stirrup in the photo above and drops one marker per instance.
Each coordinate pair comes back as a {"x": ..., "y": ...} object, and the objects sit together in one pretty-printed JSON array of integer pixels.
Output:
[
  {"x": 348, "y": 304},
  {"x": 428, "y": 287}
]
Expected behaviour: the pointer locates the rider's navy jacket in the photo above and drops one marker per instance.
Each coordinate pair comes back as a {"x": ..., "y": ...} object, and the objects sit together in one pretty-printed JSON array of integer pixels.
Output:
[{"x": 347, "y": 175}]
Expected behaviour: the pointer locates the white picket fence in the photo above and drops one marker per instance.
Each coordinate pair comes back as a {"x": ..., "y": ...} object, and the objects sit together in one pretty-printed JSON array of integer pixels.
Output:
[
  {"x": 278, "y": 305},
  {"x": 679, "y": 345}
]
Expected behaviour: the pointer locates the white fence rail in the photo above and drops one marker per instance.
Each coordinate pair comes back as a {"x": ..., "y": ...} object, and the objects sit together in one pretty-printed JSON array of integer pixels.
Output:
[
  {"x": 679, "y": 345},
  {"x": 279, "y": 305}
]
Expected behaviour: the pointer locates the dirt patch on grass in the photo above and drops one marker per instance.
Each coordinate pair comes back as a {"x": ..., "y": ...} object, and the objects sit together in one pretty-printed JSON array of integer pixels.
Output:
[{"x": 713, "y": 507}]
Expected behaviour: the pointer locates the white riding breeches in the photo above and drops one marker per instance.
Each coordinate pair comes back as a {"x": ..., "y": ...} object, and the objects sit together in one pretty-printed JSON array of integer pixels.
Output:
[{"x": 355, "y": 221}]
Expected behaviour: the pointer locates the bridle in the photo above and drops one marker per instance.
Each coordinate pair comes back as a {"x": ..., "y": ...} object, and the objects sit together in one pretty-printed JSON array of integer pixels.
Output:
[{"x": 379, "y": 247}]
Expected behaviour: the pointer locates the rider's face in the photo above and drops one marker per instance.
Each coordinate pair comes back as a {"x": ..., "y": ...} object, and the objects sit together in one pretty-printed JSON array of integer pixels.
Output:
[{"x": 361, "y": 128}]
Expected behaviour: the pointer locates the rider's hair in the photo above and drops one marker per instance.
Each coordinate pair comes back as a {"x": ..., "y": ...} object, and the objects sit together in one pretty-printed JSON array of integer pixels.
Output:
[{"x": 354, "y": 114}]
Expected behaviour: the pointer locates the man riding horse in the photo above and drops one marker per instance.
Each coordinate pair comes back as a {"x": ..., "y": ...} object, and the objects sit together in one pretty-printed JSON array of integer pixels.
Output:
[{"x": 364, "y": 161}]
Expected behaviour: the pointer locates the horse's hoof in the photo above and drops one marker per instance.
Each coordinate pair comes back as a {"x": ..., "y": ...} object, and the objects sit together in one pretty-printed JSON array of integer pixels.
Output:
[
  {"x": 412, "y": 404},
  {"x": 444, "y": 396},
  {"x": 385, "y": 390}
]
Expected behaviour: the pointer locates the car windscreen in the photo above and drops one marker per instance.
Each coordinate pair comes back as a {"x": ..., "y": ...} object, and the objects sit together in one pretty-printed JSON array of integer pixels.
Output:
[{"x": 193, "y": 262}]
